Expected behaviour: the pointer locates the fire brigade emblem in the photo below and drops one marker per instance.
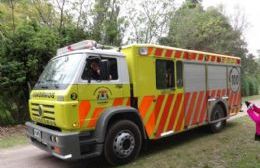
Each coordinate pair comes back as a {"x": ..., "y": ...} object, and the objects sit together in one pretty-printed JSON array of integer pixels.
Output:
[{"x": 102, "y": 94}]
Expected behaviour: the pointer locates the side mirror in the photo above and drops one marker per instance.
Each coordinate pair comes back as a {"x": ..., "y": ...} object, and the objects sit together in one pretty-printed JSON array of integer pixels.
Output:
[{"x": 105, "y": 69}]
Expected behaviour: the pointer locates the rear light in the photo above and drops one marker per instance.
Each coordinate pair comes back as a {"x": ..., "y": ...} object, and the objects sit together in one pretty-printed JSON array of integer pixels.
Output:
[{"x": 143, "y": 51}]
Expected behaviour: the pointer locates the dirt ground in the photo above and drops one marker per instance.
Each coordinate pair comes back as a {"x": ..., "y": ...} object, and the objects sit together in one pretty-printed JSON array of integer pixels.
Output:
[{"x": 11, "y": 130}]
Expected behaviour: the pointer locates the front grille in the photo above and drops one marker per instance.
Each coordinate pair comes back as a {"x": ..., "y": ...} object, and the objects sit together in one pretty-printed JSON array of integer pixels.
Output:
[{"x": 46, "y": 112}]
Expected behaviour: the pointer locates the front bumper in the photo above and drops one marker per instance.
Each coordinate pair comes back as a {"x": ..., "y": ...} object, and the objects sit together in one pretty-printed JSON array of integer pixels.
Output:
[{"x": 66, "y": 146}]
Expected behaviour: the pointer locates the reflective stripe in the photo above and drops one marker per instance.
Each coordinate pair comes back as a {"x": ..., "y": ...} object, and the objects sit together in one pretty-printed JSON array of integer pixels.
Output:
[
  {"x": 213, "y": 99},
  {"x": 150, "y": 125},
  {"x": 202, "y": 108},
  {"x": 164, "y": 115},
  {"x": 190, "y": 55},
  {"x": 179, "y": 124},
  {"x": 171, "y": 112},
  {"x": 158, "y": 52},
  {"x": 118, "y": 101},
  {"x": 128, "y": 102},
  {"x": 198, "y": 108},
  {"x": 175, "y": 110},
  {"x": 190, "y": 108},
  {"x": 145, "y": 105},
  {"x": 203, "y": 114},
  {"x": 194, "y": 112},
  {"x": 166, "y": 133},
  {"x": 96, "y": 113},
  {"x": 168, "y": 53},
  {"x": 84, "y": 108},
  {"x": 159, "y": 115}
]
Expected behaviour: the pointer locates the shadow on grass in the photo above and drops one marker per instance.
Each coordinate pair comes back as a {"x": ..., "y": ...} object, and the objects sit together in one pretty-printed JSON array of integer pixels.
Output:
[
  {"x": 154, "y": 147},
  {"x": 180, "y": 139}
]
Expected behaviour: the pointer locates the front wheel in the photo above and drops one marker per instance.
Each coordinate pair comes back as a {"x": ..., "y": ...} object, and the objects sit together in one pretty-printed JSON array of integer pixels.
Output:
[
  {"x": 217, "y": 113},
  {"x": 123, "y": 142}
]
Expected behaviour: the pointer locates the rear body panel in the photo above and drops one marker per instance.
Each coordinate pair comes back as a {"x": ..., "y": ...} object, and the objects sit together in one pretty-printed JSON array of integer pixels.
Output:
[{"x": 206, "y": 81}]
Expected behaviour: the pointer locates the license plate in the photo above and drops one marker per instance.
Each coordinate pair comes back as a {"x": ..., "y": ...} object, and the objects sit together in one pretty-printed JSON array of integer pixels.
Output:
[{"x": 37, "y": 134}]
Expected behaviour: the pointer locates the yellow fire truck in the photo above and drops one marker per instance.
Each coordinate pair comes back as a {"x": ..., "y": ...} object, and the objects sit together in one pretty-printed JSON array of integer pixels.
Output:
[{"x": 91, "y": 101}]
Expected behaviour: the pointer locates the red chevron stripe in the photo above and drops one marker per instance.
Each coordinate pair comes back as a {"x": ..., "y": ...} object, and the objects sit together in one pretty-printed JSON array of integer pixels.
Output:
[
  {"x": 181, "y": 119},
  {"x": 168, "y": 53},
  {"x": 197, "y": 109},
  {"x": 165, "y": 114},
  {"x": 190, "y": 108},
  {"x": 151, "y": 122},
  {"x": 158, "y": 52},
  {"x": 203, "y": 113},
  {"x": 174, "y": 112}
]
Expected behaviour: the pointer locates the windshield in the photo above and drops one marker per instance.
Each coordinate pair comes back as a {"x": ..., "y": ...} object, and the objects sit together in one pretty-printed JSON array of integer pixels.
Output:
[{"x": 59, "y": 72}]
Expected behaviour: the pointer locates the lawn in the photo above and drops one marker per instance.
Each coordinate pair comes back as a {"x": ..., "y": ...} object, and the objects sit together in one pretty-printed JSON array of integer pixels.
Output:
[
  {"x": 251, "y": 98},
  {"x": 233, "y": 147}
]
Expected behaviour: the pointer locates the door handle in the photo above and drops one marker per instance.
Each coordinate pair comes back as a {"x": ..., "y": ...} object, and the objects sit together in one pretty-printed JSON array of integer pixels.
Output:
[{"x": 119, "y": 86}]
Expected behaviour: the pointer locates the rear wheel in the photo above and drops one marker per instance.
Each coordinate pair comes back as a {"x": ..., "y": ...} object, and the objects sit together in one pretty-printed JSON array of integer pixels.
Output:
[
  {"x": 123, "y": 142},
  {"x": 217, "y": 113}
]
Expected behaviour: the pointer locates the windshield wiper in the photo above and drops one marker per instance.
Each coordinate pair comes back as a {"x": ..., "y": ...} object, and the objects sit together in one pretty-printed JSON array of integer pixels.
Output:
[
  {"x": 52, "y": 80},
  {"x": 56, "y": 85},
  {"x": 44, "y": 87}
]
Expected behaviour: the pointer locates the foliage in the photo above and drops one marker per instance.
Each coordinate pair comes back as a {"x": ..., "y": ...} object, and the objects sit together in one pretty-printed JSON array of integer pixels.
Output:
[
  {"x": 146, "y": 21},
  {"x": 209, "y": 30},
  {"x": 206, "y": 30},
  {"x": 106, "y": 27},
  {"x": 249, "y": 86},
  {"x": 24, "y": 54}
]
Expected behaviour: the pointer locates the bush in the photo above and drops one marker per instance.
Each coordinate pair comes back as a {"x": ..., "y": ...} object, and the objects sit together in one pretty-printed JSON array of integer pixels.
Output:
[
  {"x": 249, "y": 86},
  {"x": 5, "y": 117}
]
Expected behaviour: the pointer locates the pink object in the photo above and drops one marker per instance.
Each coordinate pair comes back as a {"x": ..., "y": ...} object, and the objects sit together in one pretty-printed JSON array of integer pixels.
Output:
[{"x": 254, "y": 114}]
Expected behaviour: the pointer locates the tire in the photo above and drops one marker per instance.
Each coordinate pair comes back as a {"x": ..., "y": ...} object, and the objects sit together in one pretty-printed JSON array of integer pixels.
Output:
[
  {"x": 217, "y": 113},
  {"x": 122, "y": 143}
]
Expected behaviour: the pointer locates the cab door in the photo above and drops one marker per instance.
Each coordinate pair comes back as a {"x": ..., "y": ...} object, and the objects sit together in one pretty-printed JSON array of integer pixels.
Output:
[{"x": 96, "y": 93}]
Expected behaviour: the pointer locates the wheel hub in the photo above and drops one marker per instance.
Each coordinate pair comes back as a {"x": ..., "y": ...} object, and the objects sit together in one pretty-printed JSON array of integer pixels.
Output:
[{"x": 123, "y": 144}]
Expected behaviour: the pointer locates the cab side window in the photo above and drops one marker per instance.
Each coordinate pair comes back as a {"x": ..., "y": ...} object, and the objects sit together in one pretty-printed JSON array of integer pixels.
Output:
[
  {"x": 164, "y": 74},
  {"x": 100, "y": 68},
  {"x": 179, "y": 69}
]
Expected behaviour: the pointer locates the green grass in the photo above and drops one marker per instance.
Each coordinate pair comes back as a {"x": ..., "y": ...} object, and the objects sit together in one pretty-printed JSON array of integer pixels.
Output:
[
  {"x": 233, "y": 147},
  {"x": 13, "y": 140},
  {"x": 250, "y": 98}
]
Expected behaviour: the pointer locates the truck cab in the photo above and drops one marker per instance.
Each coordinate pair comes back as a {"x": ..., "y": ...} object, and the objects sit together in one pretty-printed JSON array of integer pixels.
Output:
[{"x": 69, "y": 97}]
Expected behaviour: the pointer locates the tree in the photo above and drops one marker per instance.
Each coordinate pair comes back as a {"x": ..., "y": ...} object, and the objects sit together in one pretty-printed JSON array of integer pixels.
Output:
[
  {"x": 195, "y": 28},
  {"x": 106, "y": 25},
  {"x": 23, "y": 56},
  {"x": 147, "y": 20}
]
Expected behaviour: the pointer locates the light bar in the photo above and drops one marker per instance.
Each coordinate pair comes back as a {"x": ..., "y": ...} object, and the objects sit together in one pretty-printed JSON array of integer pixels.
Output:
[{"x": 86, "y": 44}]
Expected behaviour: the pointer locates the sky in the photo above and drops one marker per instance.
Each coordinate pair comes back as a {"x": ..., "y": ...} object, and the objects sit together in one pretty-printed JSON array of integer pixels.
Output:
[{"x": 250, "y": 9}]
